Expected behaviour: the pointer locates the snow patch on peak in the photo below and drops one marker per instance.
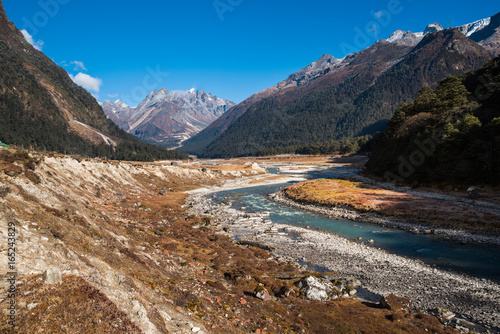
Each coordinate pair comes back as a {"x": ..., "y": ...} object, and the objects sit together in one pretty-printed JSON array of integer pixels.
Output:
[
  {"x": 469, "y": 29},
  {"x": 397, "y": 35},
  {"x": 433, "y": 27},
  {"x": 405, "y": 38},
  {"x": 121, "y": 104}
]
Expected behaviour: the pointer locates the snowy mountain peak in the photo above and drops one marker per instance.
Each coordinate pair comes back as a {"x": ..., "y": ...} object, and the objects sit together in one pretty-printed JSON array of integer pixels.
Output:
[
  {"x": 404, "y": 38},
  {"x": 168, "y": 118},
  {"x": 433, "y": 27},
  {"x": 398, "y": 34},
  {"x": 121, "y": 104},
  {"x": 469, "y": 29},
  {"x": 409, "y": 38}
]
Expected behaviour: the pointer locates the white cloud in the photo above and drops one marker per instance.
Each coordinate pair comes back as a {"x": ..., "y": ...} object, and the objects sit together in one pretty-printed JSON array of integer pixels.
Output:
[
  {"x": 36, "y": 44},
  {"x": 87, "y": 82},
  {"x": 113, "y": 95},
  {"x": 79, "y": 65}
]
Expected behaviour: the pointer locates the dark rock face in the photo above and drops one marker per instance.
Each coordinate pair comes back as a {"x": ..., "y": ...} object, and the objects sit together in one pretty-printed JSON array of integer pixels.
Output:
[{"x": 489, "y": 36}]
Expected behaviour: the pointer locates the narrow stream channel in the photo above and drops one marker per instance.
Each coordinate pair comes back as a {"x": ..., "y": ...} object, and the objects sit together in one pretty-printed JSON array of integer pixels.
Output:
[{"x": 476, "y": 260}]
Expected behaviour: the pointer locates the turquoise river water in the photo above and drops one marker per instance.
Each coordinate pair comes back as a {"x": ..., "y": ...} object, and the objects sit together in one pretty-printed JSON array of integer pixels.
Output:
[{"x": 476, "y": 260}]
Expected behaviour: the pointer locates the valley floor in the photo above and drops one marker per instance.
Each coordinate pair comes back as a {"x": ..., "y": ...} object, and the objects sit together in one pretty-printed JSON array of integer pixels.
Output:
[{"x": 106, "y": 246}]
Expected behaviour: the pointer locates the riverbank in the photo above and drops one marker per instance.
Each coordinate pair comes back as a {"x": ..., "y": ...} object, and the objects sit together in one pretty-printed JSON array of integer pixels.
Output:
[
  {"x": 380, "y": 272},
  {"x": 419, "y": 212}
]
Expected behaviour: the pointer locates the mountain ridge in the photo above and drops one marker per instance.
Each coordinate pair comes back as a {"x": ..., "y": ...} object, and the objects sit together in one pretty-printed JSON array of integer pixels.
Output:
[
  {"x": 313, "y": 76},
  {"x": 168, "y": 118},
  {"x": 352, "y": 90}
]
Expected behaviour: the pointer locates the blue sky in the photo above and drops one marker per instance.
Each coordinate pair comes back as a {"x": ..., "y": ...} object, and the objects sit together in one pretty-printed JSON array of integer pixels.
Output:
[{"x": 231, "y": 48}]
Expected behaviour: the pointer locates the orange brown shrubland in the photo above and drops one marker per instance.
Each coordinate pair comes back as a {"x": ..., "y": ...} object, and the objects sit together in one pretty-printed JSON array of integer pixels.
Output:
[{"x": 366, "y": 198}]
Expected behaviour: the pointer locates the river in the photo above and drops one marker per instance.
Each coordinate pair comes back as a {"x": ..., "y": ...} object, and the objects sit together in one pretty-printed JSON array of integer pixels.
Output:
[{"x": 472, "y": 259}]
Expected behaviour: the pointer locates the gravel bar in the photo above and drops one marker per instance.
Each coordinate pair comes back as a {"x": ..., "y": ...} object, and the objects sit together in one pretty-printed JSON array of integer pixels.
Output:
[{"x": 474, "y": 299}]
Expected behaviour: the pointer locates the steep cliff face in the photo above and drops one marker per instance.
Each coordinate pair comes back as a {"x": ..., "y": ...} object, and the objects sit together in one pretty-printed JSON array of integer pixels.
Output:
[{"x": 40, "y": 106}]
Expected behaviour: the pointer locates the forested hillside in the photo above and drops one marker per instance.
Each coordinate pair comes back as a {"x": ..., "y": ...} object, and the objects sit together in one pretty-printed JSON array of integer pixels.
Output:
[
  {"x": 41, "y": 107},
  {"x": 450, "y": 134}
]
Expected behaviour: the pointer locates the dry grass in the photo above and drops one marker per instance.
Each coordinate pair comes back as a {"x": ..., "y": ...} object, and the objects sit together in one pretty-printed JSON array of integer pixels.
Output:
[
  {"x": 364, "y": 198},
  {"x": 71, "y": 307}
]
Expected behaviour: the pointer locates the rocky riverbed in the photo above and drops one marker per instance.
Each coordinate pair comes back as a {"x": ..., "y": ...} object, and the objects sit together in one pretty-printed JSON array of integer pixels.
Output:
[{"x": 380, "y": 272}]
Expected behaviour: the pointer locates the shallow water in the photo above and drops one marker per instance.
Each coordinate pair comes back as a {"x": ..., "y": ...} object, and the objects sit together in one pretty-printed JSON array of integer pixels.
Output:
[{"x": 476, "y": 260}]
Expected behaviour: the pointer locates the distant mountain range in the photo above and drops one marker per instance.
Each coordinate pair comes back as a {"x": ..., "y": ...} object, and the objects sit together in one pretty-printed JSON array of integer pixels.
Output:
[
  {"x": 167, "y": 118},
  {"x": 339, "y": 98},
  {"x": 41, "y": 107}
]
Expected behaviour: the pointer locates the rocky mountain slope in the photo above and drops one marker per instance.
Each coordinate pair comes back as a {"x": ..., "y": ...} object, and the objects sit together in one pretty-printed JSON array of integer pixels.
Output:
[
  {"x": 168, "y": 118},
  {"x": 40, "y": 106},
  {"x": 343, "y": 96},
  {"x": 489, "y": 36}
]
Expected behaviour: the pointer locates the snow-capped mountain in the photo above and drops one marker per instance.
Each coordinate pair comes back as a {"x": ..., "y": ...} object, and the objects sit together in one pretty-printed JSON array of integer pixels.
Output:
[
  {"x": 168, "y": 118},
  {"x": 489, "y": 35},
  {"x": 409, "y": 38},
  {"x": 433, "y": 27},
  {"x": 469, "y": 29},
  {"x": 406, "y": 38},
  {"x": 118, "y": 111}
]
